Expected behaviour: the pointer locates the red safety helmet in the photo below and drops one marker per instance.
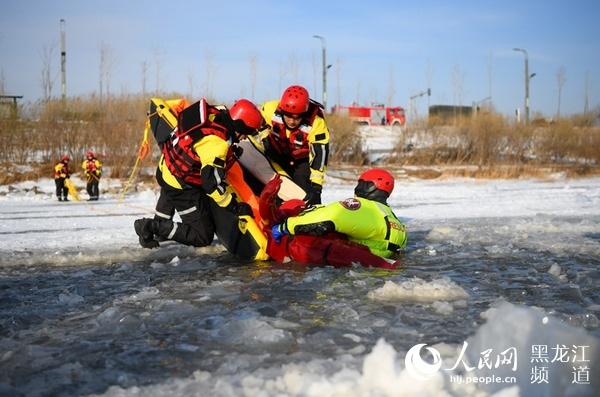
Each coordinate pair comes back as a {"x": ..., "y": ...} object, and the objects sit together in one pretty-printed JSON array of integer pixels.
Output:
[
  {"x": 65, "y": 158},
  {"x": 294, "y": 100},
  {"x": 246, "y": 113},
  {"x": 382, "y": 179},
  {"x": 89, "y": 154},
  {"x": 375, "y": 184}
]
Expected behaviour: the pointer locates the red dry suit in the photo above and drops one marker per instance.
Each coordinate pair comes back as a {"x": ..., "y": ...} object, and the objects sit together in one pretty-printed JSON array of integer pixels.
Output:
[{"x": 331, "y": 249}]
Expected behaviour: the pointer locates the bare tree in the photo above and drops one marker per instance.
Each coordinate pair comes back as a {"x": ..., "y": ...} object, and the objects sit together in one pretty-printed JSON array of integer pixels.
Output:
[
  {"x": 560, "y": 80},
  {"x": 210, "y": 70},
  {"x": 391, "y": 87},
  {"x": 282, "y": 74},
  {"x": 144, "y": 77},
  {"x": 252, "y": 65},
  {"x": 47, "y": 79},
  {"x": 373, "y": 95},
  {"x": 294, "y": 67},
  {"x": 338, "y": 67},
  {"x": 490, "y": 75},
  {"x": 2, "y": 82},
  {"x": 158, "y": 67},
  {"x": 106, "y": 64},
  {"x": 457, "y": 82},
  {"x": 190, "y": 80},
  {"x": 586, "y": 105}
]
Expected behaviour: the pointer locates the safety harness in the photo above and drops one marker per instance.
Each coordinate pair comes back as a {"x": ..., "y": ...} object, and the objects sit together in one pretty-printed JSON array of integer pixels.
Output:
[
  {"x": 195, "y": 122},
  {"x": 296, "y": 145}
]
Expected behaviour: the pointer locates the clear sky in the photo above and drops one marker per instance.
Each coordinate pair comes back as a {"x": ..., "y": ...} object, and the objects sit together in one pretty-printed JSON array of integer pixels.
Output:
[{"x": 378, "y": 49}]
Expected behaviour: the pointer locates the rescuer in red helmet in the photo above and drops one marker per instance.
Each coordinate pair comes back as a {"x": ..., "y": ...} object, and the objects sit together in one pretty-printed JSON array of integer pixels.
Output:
[
  {"x": 92, "y": 169},
  {"x": 61, "y": 173},
  {"x": 366, "y": 218},
  {"x": 297, "y": 139},
  {"x": 191, "y": 172}
]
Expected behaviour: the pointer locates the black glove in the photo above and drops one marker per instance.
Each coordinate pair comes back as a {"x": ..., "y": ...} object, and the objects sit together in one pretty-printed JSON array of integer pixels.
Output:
[
  {"x": 313, "y": 197},
  {"x": 237, "y": 151},
  {"x": 266, "y": 144},
  {"x": 238, "y": 208},
  {"x": 244, "y": 209}
]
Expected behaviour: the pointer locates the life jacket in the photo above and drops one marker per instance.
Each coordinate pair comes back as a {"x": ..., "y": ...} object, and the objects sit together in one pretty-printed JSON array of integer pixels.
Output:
[
  {"x": 61, "y": 170},
  {"x": 194, "y": 123},
  {"x": 92, "y": 167},
  {"x": 296, "y": 145}
]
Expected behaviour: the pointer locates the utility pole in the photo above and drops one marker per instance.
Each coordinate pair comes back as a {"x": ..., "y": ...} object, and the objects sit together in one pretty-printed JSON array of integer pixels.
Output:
[
  {"x": 527, "y": 78},
  {"x": 560, "y": 79},
  {"x": 325, "y": 67},
  {"x": 411, "y": 105},
  {"x": 63, "y": 60},
  {"x": 586, "y": 106}
]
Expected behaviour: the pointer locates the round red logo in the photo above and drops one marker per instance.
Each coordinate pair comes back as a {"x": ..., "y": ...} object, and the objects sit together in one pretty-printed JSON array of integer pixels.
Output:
[{"x": 351, "y": 204}]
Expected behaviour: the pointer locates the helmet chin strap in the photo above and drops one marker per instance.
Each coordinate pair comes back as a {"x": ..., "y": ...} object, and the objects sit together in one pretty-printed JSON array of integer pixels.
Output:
[{"x": 367, "y": 190}]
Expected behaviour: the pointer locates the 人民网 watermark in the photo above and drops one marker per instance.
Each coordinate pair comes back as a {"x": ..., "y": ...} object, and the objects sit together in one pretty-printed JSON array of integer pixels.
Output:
[{"x": 541, "y": 358}]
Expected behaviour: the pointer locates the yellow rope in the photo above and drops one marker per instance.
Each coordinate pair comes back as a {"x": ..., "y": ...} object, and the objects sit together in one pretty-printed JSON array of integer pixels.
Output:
[{"x": 142, "y": 153}]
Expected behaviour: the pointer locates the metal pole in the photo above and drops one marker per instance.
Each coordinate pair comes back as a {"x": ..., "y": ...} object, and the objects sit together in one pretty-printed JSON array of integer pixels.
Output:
[
  {"x": 526, "y": 88},
  {"x": 324, "y": 58},
  {"x": 63, "y": 60},
  {"x": 526, "y": 82}
]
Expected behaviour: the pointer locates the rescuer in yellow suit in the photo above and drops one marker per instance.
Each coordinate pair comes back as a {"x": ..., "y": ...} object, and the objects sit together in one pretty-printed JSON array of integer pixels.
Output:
[
  {"x": 191, "y": 172},
  {"x": 92, "y": 168},
  {"x": 297, "y": 140},
  {"x": 365, "y": 219},
  {"x": 61, "y": 174}
]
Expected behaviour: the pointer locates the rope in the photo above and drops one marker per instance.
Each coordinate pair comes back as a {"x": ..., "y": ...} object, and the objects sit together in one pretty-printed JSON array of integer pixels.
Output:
[{"x": 142, "y": 153}]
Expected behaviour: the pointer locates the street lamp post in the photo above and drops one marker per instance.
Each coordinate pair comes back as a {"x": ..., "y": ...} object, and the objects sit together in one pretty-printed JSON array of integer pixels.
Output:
[
  {"x": 63, "y": 60},
  {"x": 527, "y": 78},
  {"x": 325, "y": 67}
]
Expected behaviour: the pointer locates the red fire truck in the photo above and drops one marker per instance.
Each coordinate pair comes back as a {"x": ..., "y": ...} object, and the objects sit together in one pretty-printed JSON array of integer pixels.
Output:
[{"x": 373, "y": 115}]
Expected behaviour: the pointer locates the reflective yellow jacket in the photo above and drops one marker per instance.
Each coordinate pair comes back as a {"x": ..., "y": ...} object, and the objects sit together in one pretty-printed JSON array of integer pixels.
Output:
[
  {"x": 363, "y": 221},
  {"x": 92, "y": 168},
  {"x": 212, "y": 151},
  {"x": 61, "y": 170}
]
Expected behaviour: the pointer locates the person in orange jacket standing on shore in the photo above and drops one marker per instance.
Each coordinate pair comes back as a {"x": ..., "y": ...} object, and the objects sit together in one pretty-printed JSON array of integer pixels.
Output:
[
  {"x": 61, "y": 174},
  {"x": 92, "y": 168}
]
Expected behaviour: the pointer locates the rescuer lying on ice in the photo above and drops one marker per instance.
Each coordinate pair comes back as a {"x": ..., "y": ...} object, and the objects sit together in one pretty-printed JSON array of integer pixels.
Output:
[
  {"x": 362, "y": 229},
  {"x": 192, "y": 169}
]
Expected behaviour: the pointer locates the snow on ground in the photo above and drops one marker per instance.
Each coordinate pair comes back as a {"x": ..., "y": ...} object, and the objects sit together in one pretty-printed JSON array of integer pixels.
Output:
[
  {"x": 34, "y": 223},
  {"x": 378, "y": 141}
]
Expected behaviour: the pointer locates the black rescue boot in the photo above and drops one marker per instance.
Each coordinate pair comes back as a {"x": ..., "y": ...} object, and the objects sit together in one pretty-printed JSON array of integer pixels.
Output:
[{"x": 144, "y": 229}]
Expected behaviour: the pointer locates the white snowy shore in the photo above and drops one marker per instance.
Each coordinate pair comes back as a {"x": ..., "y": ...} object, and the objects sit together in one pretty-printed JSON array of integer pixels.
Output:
[{"x": 34, "y": 225}]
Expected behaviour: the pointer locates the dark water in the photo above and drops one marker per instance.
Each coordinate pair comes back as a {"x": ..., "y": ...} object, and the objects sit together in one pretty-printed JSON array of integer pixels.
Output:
[{"x": 77, "y": 330}]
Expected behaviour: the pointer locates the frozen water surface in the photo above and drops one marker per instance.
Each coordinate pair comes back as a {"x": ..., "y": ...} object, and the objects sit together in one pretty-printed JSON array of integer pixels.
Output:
[{"x": 495, "y": 264}]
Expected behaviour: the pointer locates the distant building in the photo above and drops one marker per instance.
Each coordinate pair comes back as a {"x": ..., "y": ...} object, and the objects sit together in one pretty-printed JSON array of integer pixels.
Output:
[
  {"x": 444, "y": 114},
  {"x": 8, "y": 106}
]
